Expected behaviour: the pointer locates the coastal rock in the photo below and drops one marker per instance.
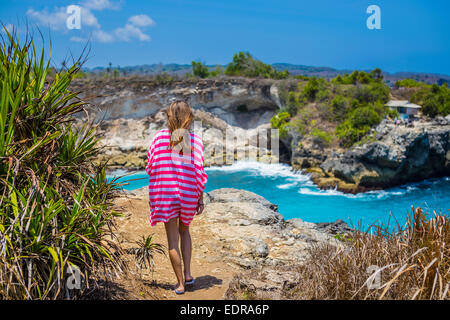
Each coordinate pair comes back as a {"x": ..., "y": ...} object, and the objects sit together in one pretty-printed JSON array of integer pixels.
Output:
[
  {"x": 240, "y": 102},
  {"x": 337, "y": 227},
  {"x": 253, "y": 233},
  {"x": 399, "y": 155}
]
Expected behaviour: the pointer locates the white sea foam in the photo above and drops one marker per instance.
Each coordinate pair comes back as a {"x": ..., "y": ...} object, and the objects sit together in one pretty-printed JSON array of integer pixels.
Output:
[
  {"x": 318, "y": 192},
  {"x": 287, "y": 185},
  {"x": 266, "y": 170}
]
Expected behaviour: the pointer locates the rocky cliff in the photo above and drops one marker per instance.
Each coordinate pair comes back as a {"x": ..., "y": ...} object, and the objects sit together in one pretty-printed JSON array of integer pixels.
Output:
[
  {"x": 133, "y": 110},
  {"x": 241, "y": 102},
  {"x": 238, "y": 233},
  {"x": 398, "y": 155}
]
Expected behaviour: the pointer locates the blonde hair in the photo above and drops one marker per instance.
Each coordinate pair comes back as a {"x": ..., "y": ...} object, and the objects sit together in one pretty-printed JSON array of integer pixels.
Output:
[{"x": 179, "y": 116}]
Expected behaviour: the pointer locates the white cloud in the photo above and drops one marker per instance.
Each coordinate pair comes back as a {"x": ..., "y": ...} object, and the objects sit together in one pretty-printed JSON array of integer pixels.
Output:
[
  {"x": 141, "y": 20},
  {"x": 100, "y": 5},
  {"x": 97, "y": 36},
  {"x": 56, "y": 19},
  {"x": 102, "y": 36},
  {"x": 88, "y": 19},
  {"x": 130, "y": 32}
]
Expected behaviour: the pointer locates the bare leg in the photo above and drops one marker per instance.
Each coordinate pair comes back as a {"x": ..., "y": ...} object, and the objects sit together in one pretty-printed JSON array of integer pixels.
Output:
[
  {"x": 174, "y": 252},
  {"x": 186, "y": 250}
]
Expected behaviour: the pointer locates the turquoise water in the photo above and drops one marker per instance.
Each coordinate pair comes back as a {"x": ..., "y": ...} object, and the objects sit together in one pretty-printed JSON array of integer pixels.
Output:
[{"x": 297, "y": 197}]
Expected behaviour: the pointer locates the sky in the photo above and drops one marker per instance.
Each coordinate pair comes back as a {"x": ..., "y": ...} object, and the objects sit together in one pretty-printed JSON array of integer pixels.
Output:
[{"x": 413, "y": 34}]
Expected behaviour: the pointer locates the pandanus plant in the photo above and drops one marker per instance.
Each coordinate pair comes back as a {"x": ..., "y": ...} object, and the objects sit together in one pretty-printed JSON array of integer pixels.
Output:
[{"x": 55, "y": 207}]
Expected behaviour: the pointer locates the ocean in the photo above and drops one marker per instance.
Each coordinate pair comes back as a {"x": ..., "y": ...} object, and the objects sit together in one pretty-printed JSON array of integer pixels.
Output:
[{"x": 298, "y": 197}]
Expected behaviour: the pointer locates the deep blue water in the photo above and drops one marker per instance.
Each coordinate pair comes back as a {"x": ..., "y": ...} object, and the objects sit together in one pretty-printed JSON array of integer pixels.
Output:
[{"x": 297, "y": 197}]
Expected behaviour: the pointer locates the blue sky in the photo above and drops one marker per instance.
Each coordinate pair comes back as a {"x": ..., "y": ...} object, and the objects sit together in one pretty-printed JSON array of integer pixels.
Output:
[{"x": 414, "y": 35}]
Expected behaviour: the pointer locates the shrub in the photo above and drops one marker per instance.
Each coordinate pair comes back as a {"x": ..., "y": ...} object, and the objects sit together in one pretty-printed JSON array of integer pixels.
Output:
[
  {"x": 339, "y": 107},
  {"x": 430, "y": 107},
  {"x": 218, "y": 70},
  {"x": 435, "y": 100},
  {"x": 348, "y": 134},
  {"x": 279, "y": 122},
  {"x": 200, "y": 70},
  {"x": 408, "y": 83},
  {"x": 243, "y": 64},
  {"x": 311, "y": 89},
  {"x": 292, "y": 103},
  {"x": 55, "y": 209},
  {"x": 323, "y": 136}
]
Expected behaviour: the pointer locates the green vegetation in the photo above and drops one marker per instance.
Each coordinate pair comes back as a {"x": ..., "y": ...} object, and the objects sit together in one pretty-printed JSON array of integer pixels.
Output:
[
  {"x": 55, "y": 208},
  {"x": 323, "y": 136},
  {"x": 347, "y": 106},
  {"x": 408, "y": 83},
  {"x": 200, "y": 70},
  {"x": 245, "y": 65},
  {"x": 279, "y": 122},
  {"x": 145, "y": 252},
  {"x": 434, "y": 99}
]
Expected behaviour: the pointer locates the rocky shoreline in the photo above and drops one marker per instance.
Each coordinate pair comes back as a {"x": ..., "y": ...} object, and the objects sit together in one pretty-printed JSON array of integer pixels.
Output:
[
  {"x": 245, "y": 231},
  {"x": 132, "y": 112},
  {"x": 397, "y": 155}
]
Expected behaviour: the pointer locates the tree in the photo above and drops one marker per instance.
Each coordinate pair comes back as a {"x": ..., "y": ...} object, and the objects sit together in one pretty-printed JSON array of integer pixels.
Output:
[
  {"x": 311, "y": 89},
  {"x": 200, "y": 70},
  {"x": 376, "y": 74}
]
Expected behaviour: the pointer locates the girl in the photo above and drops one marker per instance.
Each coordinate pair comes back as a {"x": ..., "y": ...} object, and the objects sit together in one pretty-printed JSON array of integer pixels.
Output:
[{"x": 177, "y": 181}]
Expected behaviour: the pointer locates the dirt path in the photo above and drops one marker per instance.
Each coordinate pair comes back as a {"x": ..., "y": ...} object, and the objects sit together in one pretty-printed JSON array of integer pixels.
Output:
[{"x": 211, "y": 273}]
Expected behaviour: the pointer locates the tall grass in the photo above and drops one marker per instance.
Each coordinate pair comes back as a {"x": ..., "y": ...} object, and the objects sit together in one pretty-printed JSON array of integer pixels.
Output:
[
  {"x": 411, "y": 262},
  {"x": 54, "y": 205}
]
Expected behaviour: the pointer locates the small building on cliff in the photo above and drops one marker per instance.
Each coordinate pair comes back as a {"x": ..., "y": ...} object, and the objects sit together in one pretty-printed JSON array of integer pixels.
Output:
[{"x": 404, "y": 108}]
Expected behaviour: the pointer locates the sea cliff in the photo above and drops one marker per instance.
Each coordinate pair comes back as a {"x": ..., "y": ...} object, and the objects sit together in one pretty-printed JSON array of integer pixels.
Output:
[{"x": 133, "y": 110}]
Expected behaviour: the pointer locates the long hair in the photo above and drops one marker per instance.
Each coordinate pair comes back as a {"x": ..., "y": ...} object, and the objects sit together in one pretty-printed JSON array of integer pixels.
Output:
[{"x": 179, "y": 120}]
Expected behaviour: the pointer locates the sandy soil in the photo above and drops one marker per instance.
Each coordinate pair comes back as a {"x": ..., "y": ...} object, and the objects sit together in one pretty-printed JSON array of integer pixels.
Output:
[{"x": 212, "y": 274}]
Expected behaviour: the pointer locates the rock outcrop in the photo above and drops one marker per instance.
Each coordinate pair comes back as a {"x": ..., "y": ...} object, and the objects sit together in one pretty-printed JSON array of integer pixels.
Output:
[
  {"x": 252, "y": 233},
  {"x": 399, "y": 155},
  {"x": 133, "y": 110},
  {"x": 241, "y": 102}
]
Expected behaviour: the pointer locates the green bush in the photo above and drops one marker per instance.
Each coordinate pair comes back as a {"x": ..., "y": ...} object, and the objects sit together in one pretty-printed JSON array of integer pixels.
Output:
[
  {"x": 311, "y": 89},
  {"x": 279, "y": 122},
  {"x": 218, "y": 70},
  {"x": 200, "y": 70},
  {"x": 435, "y": 100},
  {"x": 408, "y": 83},
  {"x": 357, "y": 125},
  {"x": 55, "y": 209},
  {"x": 323, "y": 136},
  {"x": 243, "y": 64},
  {"x": 339, "y": 107},
  {"x": 292, "y": 103},
  {"x": 348, "y": 134}
]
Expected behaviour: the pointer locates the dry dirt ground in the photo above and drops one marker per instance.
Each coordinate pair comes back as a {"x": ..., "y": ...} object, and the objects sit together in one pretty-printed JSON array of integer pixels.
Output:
[{"x": 212, "y": 274}]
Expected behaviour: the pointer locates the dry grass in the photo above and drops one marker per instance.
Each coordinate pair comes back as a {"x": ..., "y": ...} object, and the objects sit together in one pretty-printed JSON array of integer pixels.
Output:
[{"x": 409, "y": 263}]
